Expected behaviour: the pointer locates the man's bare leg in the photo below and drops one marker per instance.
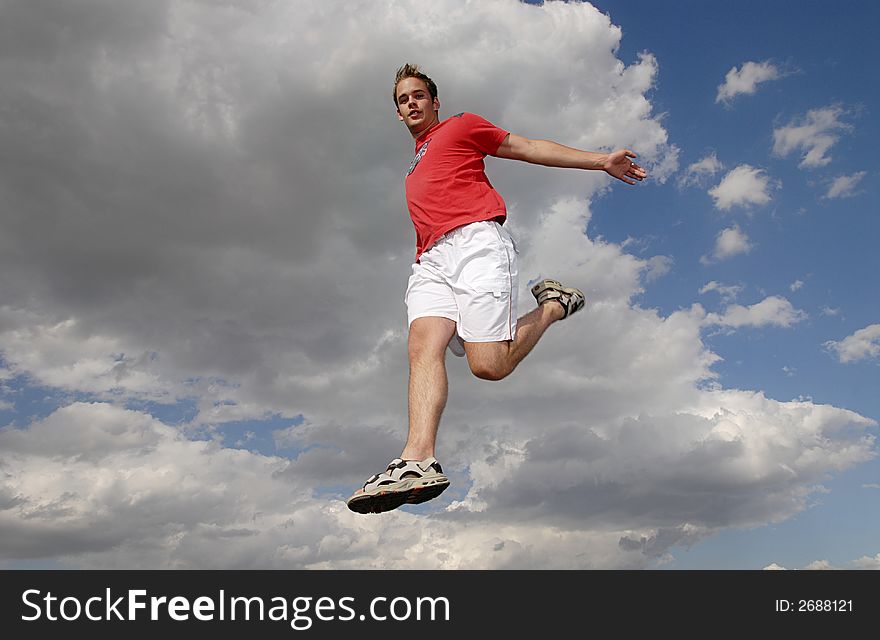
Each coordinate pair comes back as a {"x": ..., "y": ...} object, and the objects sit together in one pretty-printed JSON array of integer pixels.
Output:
[
  {"x": 428, "y": 389},
  {"x": 428, "y": 385},
  {"x": 496, "y": 360}
]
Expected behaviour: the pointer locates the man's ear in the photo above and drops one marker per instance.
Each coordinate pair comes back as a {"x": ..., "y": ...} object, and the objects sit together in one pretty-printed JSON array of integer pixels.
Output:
[{"x": 437, "y": 104}]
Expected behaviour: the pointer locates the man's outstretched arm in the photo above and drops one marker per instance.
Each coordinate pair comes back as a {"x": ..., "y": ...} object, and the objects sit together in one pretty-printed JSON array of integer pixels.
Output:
[{"x": 617, "y": 164}]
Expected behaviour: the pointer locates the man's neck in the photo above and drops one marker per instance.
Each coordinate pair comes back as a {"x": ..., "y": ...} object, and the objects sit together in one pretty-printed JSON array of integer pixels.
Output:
[{"x": 417, "y": 134}]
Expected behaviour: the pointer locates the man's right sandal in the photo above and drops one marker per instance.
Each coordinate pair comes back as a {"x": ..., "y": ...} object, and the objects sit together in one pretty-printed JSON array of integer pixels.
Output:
[
  {"x": 571, "y": 299},
  {"x": 403, "y": 482}
]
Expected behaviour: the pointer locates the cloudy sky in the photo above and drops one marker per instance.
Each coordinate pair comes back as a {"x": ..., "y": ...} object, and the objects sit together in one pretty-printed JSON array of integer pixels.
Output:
[{"x": 204, "y": 247}]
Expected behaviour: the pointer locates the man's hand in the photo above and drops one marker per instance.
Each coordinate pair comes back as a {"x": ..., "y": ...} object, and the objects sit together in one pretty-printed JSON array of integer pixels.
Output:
[{"x": 619, "y": 165}]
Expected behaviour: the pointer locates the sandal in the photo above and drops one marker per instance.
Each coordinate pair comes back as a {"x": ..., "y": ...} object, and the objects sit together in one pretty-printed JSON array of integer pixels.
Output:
[
  {"x": 403, "y": 482},
  {"x": 571, "y": 299}
]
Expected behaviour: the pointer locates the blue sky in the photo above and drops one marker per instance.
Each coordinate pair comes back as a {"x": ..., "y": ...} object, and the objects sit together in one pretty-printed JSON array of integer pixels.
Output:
[
  {"x": 204, "y": 246},
  {"x": 801, "y": 236}
]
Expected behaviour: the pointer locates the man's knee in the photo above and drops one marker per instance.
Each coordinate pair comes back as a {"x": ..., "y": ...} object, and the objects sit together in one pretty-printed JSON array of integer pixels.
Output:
[
  {"x": 488, "y": 370},
  {"x": 493, "y": 375},
  {"x": 423, "y": 351},
  {"x": 488, "y": 360}
]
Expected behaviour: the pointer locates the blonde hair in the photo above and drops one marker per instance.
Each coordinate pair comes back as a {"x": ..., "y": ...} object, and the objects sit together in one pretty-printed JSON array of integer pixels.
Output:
[{"x": 412, "y": 71}]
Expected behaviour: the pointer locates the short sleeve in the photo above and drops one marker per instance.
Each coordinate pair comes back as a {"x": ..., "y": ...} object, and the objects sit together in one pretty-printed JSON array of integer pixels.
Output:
[{"x": 484, "y": 135}]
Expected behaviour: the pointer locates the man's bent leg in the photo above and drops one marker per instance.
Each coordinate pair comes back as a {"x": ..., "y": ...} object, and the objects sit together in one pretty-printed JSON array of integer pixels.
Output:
[
  {"x": 496, "y": 360},
  {"x": 428, "y": 386}
]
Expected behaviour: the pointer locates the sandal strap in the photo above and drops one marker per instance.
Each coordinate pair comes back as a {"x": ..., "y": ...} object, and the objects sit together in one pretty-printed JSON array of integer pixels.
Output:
[
  {"x": 571, "y": 299},
  {"x": 398, "y": 469}
]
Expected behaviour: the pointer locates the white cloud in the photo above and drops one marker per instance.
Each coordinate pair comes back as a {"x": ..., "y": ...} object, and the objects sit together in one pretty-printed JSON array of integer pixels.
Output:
[
  {"x": 742, "y": 187},
  {"x": 845, "y": 186},
  {"x": 109, "y": 483},
  {"x": 828, "y": 311},
  {"x": 814, "y": 134},
  {"x": 746, "y": 79},
  {"x": 728, "y": 243},
  {"x": 727, "y": 292},
  {"x": 204, "y": 192},
  {"x": 67, "y": 357},
  {"x": 121, "y": 489},
  {"x": 861, "y": 345},
  {"x": 700, "y": 171},
  {"x": 771, "y": 311},
  {"x": 657, "y": 267},
  {"x": 867, "y": 562},
  {"x": 796, "y": 285}
]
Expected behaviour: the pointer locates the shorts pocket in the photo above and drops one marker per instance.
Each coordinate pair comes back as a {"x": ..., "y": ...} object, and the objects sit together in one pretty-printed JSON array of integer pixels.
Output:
[
  {"x": 499, "y": 288},
  {"x": 486, "y": 312}
]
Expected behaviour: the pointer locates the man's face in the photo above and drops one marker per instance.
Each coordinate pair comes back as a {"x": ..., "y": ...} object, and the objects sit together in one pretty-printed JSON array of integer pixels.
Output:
[{"x": 415, "y": 107}]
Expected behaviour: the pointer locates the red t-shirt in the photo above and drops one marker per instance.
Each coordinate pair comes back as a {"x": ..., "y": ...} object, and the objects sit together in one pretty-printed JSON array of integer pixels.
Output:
[{"x": 446, "y": 186}]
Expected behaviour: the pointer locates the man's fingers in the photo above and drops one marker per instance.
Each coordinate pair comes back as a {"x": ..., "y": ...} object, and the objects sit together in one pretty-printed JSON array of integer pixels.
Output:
[
  {"x": 629, "y": 171},
  {"x": 632, "y": 176},
  {"x": 636, "y": 170}
]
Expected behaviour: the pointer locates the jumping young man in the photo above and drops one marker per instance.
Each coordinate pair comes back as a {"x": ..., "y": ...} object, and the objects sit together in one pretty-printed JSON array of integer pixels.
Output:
[{"x": 462, "y": 293}]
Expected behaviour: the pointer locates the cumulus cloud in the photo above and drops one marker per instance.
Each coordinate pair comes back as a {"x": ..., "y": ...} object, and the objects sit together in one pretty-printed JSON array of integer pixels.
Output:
[
  {"x": 746, "y": 79},
  {"x": 700, "y": 171},
  {"x": 771, "y": 311},
  {"x": 744, "y": 186},
  {"x": 861, "y": 345},
  {"x": 729, "y": 242},
  {"x": 865, "y": 562},
  {"x": 813, "y": 135},
  {"x": 727, "y": 292},
  {"x": 657, "y": 267},
  {"x": 100, "y": 480},
  {"x": 202, "y": 208},
  {"x": 845, "y": 186}
]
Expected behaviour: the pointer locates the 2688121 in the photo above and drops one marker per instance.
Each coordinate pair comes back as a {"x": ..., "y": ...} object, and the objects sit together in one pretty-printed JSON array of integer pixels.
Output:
[{"x": 809, "y": 606}]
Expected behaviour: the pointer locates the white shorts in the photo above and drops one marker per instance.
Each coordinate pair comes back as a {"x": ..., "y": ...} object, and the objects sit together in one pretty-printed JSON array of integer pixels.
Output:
[{"x": 470, "y": 277}]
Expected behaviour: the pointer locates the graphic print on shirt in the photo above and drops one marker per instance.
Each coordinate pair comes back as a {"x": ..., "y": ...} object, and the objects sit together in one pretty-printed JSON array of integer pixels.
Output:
[{"x": 422, "y": 151}]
